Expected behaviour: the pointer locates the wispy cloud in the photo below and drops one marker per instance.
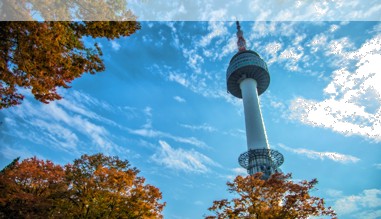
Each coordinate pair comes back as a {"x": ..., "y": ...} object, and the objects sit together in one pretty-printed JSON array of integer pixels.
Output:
[
  {"x": 179, "y": 99},
  {"x": 272, "y": 50},
  {"x": 333, "y": 28},
  {"x": 217, "y": 29},
  {"x": 318, "y": 42},
  {"x": 11, "y": 153},
  {"x": 152, "y": 133},
  {"x": 203, "y": 84},
  {"x": 115, "y": 45},
  {"x": 67, "y": 124},
  {"x": 178, "y": 78},
  {"x": 334, "y": 156},
  {"x": 292, "y": 56},
  {"x": 207, "y": 47},
  {"x": 234, "y": 173},
  {"x": 238, "y": 133},
  {"x": 203, "y": 127},
  {"x": 239, "y": 171},
  {"x": 189, "y": 161},
  {"x": 148, "y": 115},
  {"x": 353, "y": 97},
  {"x": 377, "y": 165},
  {"x": 333, "y": 193},
  {"x": 227, "y": 48}
]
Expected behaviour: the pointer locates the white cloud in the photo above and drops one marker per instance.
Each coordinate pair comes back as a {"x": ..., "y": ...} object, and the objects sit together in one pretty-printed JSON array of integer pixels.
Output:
[
  {"x": 151, "y": 133},
  {"x": 273, "y": 47},
  {"x": 11, "y": 153},
  {"x": 236, "y": 171},
  {"x": 261, "y": 29},
  {"x": 333, "y": 28},
  {"x": 339, "y": 47},
  {"x": 115, "y": 45},
  {"x": 66, "y": 124},
  {"x": 194, "y": 59},
  {"x": 362, "y": 204},
  {"x": 273, "y": 51},
  {"x": 239, "y": 171},
  {"x": 318, "y": 42},
  {"x": 204, "y": 127},
  {"x": 229, "y": 47},
  {"x": 184, "y": 160},
  {"x": 292, "y": 56},
  {"x": 178, "y": 78},
  {"x": 148, "y": 114},
  {"x": 377, "y": 165},
  {"x": 57, "y": 133},
  {"x": 179, "y": 99},
  {"x": 238, "y": 133},
  {"x": 207, "y": 85},
  {"x": 298, "y": 39},
  {"x": 334, "y": 193},
  {"x": 353, "y": 97},
  {"x": 84, "y": 100},
  {"x": 270, "y": 51},
  {"x": 290, "y": 53},
  {"x": 376, "y": 28},
  {"x": 96, "y": 133},
  {"x": 334, "y": 156},
  {"x": 218, "y": 32},
  {"x": 217, "y": 29},
  {"x": 148, "y": 111}
]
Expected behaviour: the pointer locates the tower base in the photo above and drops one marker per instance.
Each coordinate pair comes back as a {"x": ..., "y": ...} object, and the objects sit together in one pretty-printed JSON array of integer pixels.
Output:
[{"x": 263, "y": 160}]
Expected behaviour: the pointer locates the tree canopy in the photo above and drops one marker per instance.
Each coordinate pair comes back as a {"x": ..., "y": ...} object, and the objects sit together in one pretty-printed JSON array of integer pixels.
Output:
[
  {"x": 96, "y": 186},
  {"x": 275, "y": 198},
  {"x": 44, "y": 55},
  {"x": 30, "y": 189}
]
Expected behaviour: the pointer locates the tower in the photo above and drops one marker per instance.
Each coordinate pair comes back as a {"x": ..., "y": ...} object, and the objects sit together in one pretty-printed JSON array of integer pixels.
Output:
[{"x": 247, "y": 77}]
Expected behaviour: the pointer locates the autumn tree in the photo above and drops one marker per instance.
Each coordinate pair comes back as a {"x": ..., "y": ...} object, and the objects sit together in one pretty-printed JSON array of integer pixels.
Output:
[
  {"x": 276, "y": 198},
  {"x": 30, "y": 189},
  {"x": 44, "y": 55},
  {"x": 96, "y": 186},
  {"x": 106, "y": 187}
]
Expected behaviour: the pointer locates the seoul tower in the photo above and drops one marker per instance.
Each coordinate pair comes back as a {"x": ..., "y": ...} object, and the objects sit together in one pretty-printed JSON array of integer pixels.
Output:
[{"x": 248, "y": 77}]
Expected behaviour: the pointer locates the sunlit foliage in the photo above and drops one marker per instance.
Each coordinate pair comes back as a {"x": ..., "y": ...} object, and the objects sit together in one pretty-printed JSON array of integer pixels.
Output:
[
  {"x": 276, "y": 198},
  {"x": 96, "y": 186},
  {"x": 30, "y": 189},
  {"x": 44, "y": 55}
]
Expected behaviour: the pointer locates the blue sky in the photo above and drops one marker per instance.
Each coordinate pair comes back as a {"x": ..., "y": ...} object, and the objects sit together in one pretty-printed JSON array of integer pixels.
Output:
[{"x": 162, "y": 104}]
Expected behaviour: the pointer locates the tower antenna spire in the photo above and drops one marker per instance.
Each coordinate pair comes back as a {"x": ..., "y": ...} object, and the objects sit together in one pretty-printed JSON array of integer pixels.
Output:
[{"x": 241, "y": 43}]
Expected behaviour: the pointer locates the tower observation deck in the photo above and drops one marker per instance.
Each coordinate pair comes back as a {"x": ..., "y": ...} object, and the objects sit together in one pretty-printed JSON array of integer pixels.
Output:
[{"x": 248, "y": 77}]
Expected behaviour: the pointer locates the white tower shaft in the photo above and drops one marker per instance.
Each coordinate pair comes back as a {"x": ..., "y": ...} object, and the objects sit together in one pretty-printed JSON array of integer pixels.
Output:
[{"x": 255, "y": 129}]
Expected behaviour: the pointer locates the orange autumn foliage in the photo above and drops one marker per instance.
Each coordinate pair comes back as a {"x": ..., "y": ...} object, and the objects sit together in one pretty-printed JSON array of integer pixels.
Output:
[
  {"x": 96, "y": 186},
  {"x": 43, "y": 56},
  {"x": 105, "y": 187},
  {"x": 30, "y": 189},
  {"x": 275, "y": 198}
]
